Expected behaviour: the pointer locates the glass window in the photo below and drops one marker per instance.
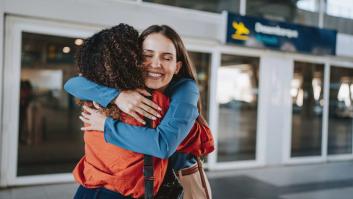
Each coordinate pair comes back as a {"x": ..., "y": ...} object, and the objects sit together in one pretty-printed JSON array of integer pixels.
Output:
[
  {"x": 50, "y": 140},
  {"x": 342, "y": 25},
  {"x": 301, "y": 12},
  {"x": 340, "y": 8},
  {"x": 237, "y": 97},
  {"x": 202, "y": 64},
  {"x": 309, "y": 5},
  {"x": 210, "y": 6},
  {"x": 339, "y": 16},
  {"x": 307, "y": 106},
  {"x": 340, "y": 111}
]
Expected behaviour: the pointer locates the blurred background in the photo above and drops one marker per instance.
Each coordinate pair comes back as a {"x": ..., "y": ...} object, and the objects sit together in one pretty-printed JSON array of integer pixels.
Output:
[{"x": 276, "y": 81}]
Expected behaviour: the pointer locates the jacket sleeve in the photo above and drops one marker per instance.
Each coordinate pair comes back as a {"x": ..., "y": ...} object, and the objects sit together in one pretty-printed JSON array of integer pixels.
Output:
[
  {"x": 163, "y": 140},
  {"x": 85, "y": 89}
]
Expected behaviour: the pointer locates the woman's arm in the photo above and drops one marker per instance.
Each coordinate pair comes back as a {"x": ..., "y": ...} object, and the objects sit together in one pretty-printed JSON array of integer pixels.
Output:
[
  {"x": 132, "y": 102},
  {"x": 162, "y": 141},
  {"x": 85, "y": 89},
  {"x": 159, "y": 142}
]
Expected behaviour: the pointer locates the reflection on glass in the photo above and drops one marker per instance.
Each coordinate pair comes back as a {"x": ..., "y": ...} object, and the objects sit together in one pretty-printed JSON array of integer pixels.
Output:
[
  {"x": 211, "y": 6},
  {"x": 50, "y": 140},
  {"x": 340, "y": 111},
  {"x": 302, "y": 11},
  {"x": 307, "y": 106},
  {"x": 237, "y": 95},
  {"x": 202, "y": 64}
]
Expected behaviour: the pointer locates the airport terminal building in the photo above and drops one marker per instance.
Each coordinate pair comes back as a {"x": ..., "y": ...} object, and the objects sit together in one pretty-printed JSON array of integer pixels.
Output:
[{"x": 275, "y": 76}]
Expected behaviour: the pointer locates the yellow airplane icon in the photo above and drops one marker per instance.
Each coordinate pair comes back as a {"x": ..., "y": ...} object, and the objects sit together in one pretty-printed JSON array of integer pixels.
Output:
[{"x": 241, "y": 31}]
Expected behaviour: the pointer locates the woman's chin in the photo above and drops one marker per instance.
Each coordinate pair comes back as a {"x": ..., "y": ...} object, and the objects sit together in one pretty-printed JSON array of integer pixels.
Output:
[{"x": 155, "y": 85}]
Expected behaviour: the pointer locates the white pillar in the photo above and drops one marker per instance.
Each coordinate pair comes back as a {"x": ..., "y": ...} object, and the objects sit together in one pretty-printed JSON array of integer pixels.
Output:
[
  {"x": 242, "y": 10},
  {"x": 322, "y": 10},
  {"x": 2, "y": 30},
  {"x": 275, "y": 83}
]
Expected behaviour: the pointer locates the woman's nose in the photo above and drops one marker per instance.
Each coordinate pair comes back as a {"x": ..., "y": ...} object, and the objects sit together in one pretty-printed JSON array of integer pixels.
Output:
[{"x": 156, "y": 62}]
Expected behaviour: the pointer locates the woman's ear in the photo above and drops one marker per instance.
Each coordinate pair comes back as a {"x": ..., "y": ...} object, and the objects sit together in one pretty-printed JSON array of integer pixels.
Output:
[{"x": 178, "y": 67}]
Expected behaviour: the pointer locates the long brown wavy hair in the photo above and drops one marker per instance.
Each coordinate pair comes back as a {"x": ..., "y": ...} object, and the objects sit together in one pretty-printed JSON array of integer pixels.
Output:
[{"x": 187, "y": 69}]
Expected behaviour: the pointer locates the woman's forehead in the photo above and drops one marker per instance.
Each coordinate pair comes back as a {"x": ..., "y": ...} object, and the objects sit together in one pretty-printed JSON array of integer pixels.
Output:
[{"x": 158, "y": 43}]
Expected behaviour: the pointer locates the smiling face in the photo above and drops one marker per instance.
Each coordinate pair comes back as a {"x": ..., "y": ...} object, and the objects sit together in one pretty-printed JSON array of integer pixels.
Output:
[{"x": 159, "y": 61}]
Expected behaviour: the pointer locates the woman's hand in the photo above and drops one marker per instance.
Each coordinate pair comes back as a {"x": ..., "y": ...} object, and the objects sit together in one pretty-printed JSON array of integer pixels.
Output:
[
  {"x": 134, "y": 102},
  {"x": 93, "y": 118}
]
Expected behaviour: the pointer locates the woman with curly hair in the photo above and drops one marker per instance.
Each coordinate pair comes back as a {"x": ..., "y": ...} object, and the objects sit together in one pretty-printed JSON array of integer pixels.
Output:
[{"x": 167, "y": 69}]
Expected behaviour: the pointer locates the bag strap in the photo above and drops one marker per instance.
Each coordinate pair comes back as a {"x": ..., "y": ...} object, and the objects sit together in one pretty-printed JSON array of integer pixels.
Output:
[
  {"x": 203, "y": 181},
  {"x": 148, "y": 175},
  {"x": 148, "y": 168}
]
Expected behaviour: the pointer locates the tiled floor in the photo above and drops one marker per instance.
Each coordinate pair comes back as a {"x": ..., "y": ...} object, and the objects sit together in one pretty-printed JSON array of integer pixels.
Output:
[
  {"x": 317, "y": 181},
  {"x": 58, "y": 191},
  {"x": 331, "y": 181}
]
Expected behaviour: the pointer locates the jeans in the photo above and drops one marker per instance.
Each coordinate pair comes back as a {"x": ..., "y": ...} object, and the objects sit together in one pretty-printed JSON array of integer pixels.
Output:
[{"x": 97, "y": 193}]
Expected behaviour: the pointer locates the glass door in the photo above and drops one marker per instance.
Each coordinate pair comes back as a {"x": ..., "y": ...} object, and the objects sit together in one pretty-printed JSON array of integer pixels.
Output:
[
  {"x": 322, "y": 112},
  {"x": 202, "y": 64},
  {"x": 307, "y": 109},
  {"x": 48, "y": 116},
  {"x": 340, "y": 117},
  {"x": 43, "y": 136},
  {"x": 237, "y": 100}
]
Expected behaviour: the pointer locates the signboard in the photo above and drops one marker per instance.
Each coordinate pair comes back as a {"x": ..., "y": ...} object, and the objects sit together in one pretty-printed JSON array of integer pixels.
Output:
[{"x": 263, "y": 33}]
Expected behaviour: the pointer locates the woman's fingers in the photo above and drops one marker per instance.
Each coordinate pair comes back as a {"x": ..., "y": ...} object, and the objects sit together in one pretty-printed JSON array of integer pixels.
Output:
[
  {"x": 85, "y": 115},
  {"x": 137, "y": 117},
  {"x": 144, "y": 92},
  {"x": 84, "y": 119},
  {"x": 151, "y": 104},
  {"x": 148, "y": 101},
  {"x": 149, "y": 112},
  {"x": 132, "y": 101},
  {"x": 88, "y": 109},
  {"x": 93, "y": 118},
  {"x": 87, "y": 128},
  {"x": 97, "y": 106},
  {"x": 146, "y": 114}
]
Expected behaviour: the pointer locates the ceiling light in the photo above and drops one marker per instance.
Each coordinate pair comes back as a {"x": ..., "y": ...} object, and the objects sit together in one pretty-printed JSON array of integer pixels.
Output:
[
  {"x": 66, "y": 49},
  {"x": 78, "y": 42}
]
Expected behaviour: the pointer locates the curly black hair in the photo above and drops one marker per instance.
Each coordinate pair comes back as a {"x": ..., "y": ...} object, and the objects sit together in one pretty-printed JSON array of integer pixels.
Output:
[{"x": 112, "y": 58}]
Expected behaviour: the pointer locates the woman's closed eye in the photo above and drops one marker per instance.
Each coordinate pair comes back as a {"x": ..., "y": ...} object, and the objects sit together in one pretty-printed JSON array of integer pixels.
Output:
[
  {"x": 147, "y": 57},
  {"x": 167, "y": 58}
]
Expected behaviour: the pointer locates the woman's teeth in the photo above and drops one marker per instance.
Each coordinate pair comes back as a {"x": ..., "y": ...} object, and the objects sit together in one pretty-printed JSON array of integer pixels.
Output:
[{"x": 154, "y": 74}]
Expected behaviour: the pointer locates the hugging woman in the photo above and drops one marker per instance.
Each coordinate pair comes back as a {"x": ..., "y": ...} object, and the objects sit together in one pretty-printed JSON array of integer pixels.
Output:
[{"x": 113, "y": 160}]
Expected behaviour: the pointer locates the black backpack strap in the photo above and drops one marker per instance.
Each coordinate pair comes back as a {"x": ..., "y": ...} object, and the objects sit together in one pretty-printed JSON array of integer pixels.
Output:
[
  {"x": 148, "y": 174},
  {"x": 148, "y": 169}
]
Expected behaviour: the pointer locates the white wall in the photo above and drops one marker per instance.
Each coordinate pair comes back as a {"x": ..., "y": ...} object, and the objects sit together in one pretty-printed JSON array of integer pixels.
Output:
[
  {"x": 344, "y": 45},
  {"x": 188, "y": 23},
  {"x": 2, "y": 6}
]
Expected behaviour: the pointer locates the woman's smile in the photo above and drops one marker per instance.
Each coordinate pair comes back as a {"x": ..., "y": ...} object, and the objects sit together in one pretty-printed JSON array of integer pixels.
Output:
[{"x": 154, "y": 75}]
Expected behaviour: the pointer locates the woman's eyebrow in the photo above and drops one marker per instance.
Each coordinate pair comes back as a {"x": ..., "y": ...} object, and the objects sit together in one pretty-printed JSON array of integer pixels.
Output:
[
  {"x": 149, "y": 51},
  {"x": 163, "y": 53},
  {"x": 167, "y": 53}
]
